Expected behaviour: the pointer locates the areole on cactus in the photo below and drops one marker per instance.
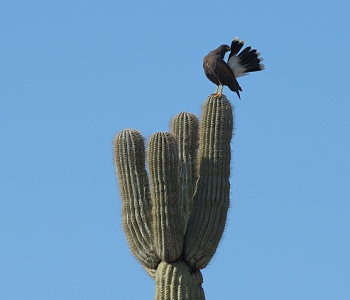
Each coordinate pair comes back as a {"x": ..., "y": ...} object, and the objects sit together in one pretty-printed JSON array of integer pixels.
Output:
[{"x": 174, "y": 217}]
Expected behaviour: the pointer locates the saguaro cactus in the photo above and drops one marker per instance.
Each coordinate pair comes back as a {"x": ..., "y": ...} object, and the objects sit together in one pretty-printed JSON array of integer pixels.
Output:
[{"x": 174, "y": 231}]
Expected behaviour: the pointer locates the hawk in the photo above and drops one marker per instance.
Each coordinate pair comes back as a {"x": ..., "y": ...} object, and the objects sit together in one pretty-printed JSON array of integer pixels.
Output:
[{"x": 226, "y": 73}]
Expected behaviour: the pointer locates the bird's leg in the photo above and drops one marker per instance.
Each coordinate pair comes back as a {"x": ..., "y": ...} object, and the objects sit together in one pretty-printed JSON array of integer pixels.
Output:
[
  {"x": 216, "y": 90},
  {"x": 222, "y": 87}
]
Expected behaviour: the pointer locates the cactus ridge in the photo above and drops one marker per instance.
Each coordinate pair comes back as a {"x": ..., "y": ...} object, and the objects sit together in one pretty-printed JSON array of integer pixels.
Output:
[{"x": 177, "y": 281}]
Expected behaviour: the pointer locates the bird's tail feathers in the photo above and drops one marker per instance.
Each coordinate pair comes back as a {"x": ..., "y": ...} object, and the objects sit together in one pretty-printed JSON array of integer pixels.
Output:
[
  {"x": 246, "y": 61},
  {"x": 236, "y": 46}
]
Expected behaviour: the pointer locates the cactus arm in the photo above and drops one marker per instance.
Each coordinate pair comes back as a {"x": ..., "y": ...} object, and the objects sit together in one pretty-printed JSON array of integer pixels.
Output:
[
  {"x": 184, "y": 127},
  {"x": 211, "y": 198},
  {"x": 129, "y": 157},
  {"x": 168, "y": 226}
]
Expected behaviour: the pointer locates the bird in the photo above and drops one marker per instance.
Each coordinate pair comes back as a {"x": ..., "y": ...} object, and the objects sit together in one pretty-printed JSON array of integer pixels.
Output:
[{"x": 238, "y": 64}]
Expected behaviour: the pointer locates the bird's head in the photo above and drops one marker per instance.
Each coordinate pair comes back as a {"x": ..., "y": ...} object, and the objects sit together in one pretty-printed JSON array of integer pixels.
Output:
[{"x": 221, "y": 50}]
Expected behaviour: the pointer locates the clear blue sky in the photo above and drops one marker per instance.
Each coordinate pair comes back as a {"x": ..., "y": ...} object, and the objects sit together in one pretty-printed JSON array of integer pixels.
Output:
[{"x": 74, "y": 73}]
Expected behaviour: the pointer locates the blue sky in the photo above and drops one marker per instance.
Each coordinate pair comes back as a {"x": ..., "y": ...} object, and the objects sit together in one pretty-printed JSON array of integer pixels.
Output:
[{"x": 75, "y": 73}]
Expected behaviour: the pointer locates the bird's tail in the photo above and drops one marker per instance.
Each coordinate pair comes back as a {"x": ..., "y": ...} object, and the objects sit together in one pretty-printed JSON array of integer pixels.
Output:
[{"x": 246, "y": 61}]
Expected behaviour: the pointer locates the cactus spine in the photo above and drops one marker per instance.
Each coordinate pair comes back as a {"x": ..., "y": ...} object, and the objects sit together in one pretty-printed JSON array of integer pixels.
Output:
[{"x": 174, "y": 231}]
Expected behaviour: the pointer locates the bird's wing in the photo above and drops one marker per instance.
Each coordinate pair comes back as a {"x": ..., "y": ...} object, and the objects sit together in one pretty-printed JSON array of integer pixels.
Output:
[
  {"x": 209, "y": 63},
  {"x": 225, "y": 75}
]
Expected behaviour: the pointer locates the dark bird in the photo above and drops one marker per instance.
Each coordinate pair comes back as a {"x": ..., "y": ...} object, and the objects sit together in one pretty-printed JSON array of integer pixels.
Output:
[{"x": 222, "y": 73}]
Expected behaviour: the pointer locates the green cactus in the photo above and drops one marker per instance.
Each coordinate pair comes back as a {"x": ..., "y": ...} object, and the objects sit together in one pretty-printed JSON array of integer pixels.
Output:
[{"x": 175, "y": 230}]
